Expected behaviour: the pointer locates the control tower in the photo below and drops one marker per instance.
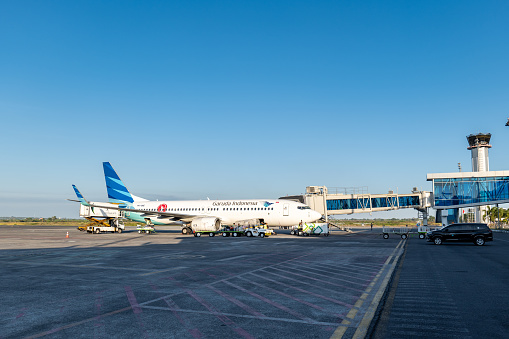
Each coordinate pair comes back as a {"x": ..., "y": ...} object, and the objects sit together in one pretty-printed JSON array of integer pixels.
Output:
[{"x": 479, "y": 145}]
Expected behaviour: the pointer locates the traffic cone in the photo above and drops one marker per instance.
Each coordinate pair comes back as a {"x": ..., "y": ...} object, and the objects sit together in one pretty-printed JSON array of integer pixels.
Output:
[{"x": 67, "y": 235}]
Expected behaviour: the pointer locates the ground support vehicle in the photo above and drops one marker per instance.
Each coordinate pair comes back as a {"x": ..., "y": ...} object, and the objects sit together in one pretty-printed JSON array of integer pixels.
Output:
[
  {"x": 270, "y": 232},
  {"x": 101, "y": 228},
  {"x": 147, "y": 229},
  {"x": 231, "y": 231},
  {"x": 462, "y": 232},
  {"x": 422, "y": 230},
  {"x": 200, "y": 233},
  {"x": 403, "y": 232},
  {"x": 306, "y": 229},
  {"x": 101, "y": 219},
  {"x": 187, "y": 230},
  {"x": 94, "y": 222},
  {"x": 257, "y": 232}
]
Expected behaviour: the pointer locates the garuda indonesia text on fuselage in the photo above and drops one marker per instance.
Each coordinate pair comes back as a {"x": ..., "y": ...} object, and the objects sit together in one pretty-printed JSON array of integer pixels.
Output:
[{"x": 210, "y": 214}]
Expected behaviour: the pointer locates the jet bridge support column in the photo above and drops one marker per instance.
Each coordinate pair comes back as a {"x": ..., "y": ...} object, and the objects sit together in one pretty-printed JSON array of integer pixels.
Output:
[
  {"x": 324, "y": 192},
  {"x": 423, "y": 214}
]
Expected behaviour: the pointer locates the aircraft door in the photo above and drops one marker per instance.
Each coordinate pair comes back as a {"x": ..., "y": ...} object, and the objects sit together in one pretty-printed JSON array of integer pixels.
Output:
[{"x": 286, "y": 210}]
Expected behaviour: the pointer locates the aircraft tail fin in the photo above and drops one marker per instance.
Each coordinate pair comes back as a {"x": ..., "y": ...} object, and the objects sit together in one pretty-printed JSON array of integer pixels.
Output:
[
  {"x": 117, "y": 191},
  {"x": 80, "y": 197}
]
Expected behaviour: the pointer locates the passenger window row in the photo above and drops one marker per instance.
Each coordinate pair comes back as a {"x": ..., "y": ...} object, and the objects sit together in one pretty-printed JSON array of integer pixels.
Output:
[{"x": 214, "y": 209}]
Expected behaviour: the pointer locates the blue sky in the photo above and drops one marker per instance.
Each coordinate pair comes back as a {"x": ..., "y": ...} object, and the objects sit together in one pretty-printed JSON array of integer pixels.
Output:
[{"x": 244, "y": 99}]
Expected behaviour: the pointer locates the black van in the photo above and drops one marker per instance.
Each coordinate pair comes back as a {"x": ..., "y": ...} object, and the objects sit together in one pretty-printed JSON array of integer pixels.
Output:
[{"x": 468, "y": 232}]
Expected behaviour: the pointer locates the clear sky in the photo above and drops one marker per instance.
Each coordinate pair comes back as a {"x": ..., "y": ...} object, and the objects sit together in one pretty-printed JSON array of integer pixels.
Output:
[{"x": 244, "y": 99}]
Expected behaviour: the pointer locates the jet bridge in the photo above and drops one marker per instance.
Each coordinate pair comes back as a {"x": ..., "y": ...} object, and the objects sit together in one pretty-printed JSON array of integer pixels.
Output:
[{"x": 339, "y": 201}]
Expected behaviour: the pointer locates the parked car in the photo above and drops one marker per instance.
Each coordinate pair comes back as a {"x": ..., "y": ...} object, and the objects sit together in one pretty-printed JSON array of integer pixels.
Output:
[{"x": 467, "y": 232}]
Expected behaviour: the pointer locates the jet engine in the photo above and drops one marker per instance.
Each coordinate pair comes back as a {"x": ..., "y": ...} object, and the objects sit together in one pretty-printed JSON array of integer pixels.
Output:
[{"x": 210, "y": 224}]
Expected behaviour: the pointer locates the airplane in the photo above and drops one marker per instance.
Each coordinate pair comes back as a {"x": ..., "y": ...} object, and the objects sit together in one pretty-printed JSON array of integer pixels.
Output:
[{"x": 200, "y": 214}]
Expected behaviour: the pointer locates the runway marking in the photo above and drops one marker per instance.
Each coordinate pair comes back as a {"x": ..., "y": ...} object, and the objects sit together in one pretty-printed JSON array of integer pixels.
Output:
[
  {"x": 288, "y": 296},
  {"x": 321, "y": 280},
  {"x": 162, "y": 271},
  {"x": 363, "y": 326},
  {"x": 260, "y": 269},
  {"x": 132, "y": 299},
  {"x": 348, "y": 271},
  {"x": 299, "y": 281},
  {"x": 330, "y": 273},
  {"x": 233, "y": 258},
  {"x": 244, "y": 316},
  {"x": 273, "y": 303},
  {"x": 192, "y": 330},
  {"x": 84, "y": 266},
  {"x": 227, "y": 321},
  {"x": 237, "y": 302},
  {"x": 352, "y": 267},
  {"x": 211, "y": 312},
  {"x": 58, "y": 329},
  {"x": 362, "y": 329},
  {"x": 305, "y": 291}
]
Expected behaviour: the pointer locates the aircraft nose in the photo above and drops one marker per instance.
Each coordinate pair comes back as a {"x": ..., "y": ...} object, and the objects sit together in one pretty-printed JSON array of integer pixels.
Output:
[{"x": 316, "y": 215}]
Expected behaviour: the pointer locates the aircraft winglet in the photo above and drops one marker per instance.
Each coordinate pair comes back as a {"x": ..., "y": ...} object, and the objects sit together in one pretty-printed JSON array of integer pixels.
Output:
[{"x": 80, "y": 197}]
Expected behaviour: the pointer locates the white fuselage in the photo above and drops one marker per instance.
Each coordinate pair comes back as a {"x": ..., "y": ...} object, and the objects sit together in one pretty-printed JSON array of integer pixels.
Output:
[{"x": 272, "y": 212}]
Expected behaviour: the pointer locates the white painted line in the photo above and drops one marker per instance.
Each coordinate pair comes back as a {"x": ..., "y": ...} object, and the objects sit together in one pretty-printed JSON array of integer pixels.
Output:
[
  {"x": 363, "y": 326},
  {"x": 162, "y": 271},
  {"x": 312, "y": 322},
  {"x": 233, "y": 258}
]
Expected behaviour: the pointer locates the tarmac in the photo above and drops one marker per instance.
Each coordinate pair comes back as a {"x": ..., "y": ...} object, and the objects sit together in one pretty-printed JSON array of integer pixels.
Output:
[{"x": 178, "y": 286}]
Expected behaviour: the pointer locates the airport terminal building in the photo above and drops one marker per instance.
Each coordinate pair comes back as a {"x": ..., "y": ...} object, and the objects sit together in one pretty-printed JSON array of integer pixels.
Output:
[{"x": 452, "y": 194}]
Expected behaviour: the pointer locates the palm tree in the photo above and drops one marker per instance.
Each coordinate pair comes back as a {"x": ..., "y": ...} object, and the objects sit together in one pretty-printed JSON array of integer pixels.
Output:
[{"x": 487, "y": 213}]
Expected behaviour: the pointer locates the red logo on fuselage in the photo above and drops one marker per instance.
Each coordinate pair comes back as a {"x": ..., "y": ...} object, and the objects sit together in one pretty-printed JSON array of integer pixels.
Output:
[{"x": 162, "y": 208}]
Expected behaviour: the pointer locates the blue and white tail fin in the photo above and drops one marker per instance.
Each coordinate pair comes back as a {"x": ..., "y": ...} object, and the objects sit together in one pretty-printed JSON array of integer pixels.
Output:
[
  {"x": 117, "y": 191},
  {"x": 80, "y": 197}
]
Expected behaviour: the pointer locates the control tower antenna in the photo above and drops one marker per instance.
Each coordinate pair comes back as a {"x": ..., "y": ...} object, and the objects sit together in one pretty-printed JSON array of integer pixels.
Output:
[{"x": 479, "y": 145}]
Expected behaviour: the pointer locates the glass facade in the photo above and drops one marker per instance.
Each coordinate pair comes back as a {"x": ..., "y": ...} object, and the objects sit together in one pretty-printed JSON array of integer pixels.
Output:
[
  {"x": 368, "y": 203},
  {"x": 463, "y": 191}
]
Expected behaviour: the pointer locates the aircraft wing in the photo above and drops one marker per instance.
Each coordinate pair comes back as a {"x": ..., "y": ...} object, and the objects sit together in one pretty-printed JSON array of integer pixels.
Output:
[{"x": 146, "y": 214}]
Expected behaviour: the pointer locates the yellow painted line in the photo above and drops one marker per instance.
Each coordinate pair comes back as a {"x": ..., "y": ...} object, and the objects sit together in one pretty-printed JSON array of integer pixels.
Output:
[
  {"x": 363, "y": 327},
  {"x": 339, "y": 332},
  {"x": 352, "y": 313},
  {"x": 370, "y": 313}
]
